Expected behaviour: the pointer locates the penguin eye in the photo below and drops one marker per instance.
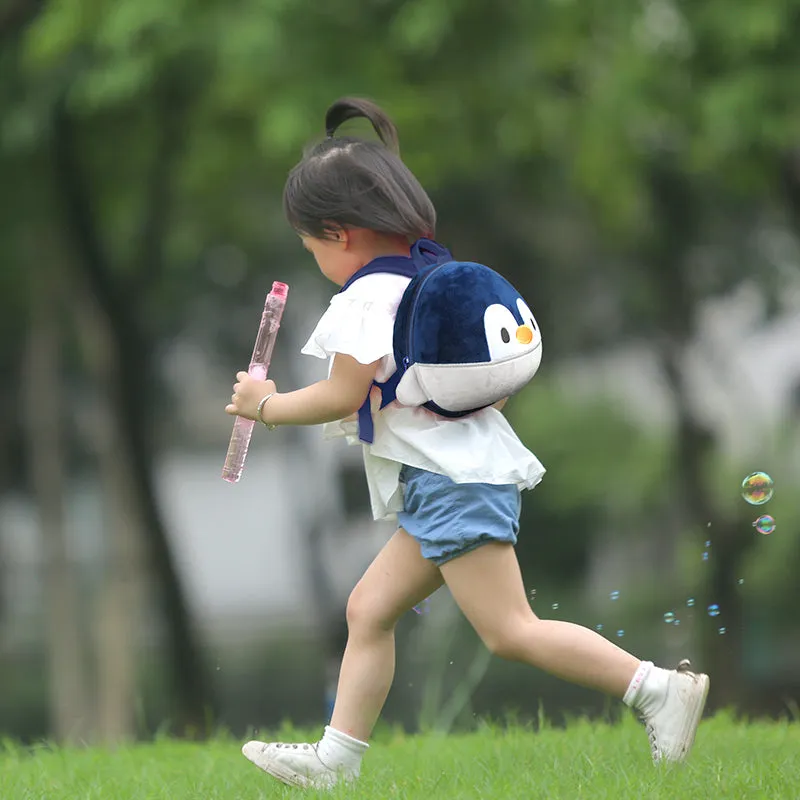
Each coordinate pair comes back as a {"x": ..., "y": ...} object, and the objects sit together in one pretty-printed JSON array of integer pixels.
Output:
[
  {"x": 500, "y": 328},
  {"x": 526, "y": 314}
]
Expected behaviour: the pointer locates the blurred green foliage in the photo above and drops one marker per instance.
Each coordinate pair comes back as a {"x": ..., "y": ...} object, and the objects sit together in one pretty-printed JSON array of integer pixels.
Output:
[{"x": 618, "y": 161}]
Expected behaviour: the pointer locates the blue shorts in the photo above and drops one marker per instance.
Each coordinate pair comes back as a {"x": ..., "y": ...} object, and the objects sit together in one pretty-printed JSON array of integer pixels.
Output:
[{"x": 450, "y": 519}]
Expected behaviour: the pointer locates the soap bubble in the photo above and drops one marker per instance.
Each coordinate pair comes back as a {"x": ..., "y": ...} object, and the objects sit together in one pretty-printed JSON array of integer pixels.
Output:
[
  {"x": 740, "y": 581},
  {"x": 677, "y": 622},
  {"x": 757, "y": 488},
  {"x": 424, "y": 607},
  {"x": 532, "y": 595},
  {"x": 599, "y": 627},
  {"x": 555, "y": 606},
  {"x": 765, "y": 524},
  {"x": 705, "y": 556},
  {"x": 620, "y": 633},
  {"x": 713, "y": 610},
  {"x": 614, "y": 595},
  {"x": 723, "y": 630},
  {"x": 690, "y": 602},
  {"x": 708, "y": 543},
  {"x": 669, "y": 617}
]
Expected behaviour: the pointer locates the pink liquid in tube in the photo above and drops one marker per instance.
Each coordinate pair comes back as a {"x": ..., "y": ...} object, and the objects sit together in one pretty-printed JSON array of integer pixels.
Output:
[{"x": 259, "y": 364}]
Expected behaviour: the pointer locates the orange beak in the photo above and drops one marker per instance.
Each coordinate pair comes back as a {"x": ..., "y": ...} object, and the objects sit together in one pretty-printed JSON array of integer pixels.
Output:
[{"x": 524, "y": 334}]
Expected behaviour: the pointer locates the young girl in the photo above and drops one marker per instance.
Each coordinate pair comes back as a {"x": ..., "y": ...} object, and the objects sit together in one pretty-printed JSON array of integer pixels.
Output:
[{"x": 454, "y": 485}]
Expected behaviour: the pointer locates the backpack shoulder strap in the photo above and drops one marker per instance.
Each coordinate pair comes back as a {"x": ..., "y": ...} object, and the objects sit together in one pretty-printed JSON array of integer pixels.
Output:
[
  {"x": 391, "y": 265},
  {"x": 423, "y": 253}
]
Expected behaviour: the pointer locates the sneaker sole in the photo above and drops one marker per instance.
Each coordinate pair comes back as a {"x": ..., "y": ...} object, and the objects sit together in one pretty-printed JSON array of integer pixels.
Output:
[
  {"x": 695, "y": 712},
  {"x": 287, "y": 776}
]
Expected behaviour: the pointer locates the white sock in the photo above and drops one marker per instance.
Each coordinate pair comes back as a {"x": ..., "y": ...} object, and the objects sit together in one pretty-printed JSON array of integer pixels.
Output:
[
  {"x": 647, "y": 689},
  {"x": 337, "y": 750}
]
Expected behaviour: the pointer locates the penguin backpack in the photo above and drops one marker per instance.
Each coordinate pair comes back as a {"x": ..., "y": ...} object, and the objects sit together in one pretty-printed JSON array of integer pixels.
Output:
[{"x": 463, "y": 336}]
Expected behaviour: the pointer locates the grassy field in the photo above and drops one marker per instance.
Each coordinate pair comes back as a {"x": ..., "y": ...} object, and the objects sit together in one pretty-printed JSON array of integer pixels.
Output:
[{"x": 730, "y": 760}]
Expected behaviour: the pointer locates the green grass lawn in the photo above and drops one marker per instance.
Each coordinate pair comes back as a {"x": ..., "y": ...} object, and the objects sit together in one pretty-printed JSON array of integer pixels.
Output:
[{"x": 730, "y": 760}]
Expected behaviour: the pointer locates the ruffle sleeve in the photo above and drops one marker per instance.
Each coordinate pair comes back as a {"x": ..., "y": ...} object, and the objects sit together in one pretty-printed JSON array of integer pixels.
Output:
[{"x": 358, "y": 327}]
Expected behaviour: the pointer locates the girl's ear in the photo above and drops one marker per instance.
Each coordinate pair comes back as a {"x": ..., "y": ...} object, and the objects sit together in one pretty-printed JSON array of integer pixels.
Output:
[
  {"x": 335, "y": 233},
  {"x": 339, "y": 235}
]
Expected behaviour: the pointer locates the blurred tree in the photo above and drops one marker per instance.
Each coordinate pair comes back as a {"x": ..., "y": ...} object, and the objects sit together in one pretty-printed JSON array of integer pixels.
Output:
[
  {"x": 44, "y": 136},
  {"x": 614, "y": 162},
  {"x": 43, "y": 381},
  {"x": 128, "y": 381}
]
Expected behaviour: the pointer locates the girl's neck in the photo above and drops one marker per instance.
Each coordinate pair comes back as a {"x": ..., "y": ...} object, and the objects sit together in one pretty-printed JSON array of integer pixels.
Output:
[{"x": 376, "y": 245}]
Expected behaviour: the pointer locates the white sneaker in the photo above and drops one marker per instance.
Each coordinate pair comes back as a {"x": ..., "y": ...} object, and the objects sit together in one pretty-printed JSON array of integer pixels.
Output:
[
  {"x": 296, "y": 764},
  {"x": 673, "y": 726}
]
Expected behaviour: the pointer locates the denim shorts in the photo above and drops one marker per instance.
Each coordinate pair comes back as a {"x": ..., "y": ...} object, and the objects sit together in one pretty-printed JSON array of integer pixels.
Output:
[{"x": 450, "y": 519}]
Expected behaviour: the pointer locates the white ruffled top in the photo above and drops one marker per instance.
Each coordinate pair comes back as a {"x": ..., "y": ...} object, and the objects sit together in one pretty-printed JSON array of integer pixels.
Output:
[{"x": 479, "y": 448}]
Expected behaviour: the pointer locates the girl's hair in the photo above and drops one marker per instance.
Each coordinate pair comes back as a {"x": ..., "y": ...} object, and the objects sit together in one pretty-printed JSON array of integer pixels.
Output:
[{"x": 347, "y": 181}]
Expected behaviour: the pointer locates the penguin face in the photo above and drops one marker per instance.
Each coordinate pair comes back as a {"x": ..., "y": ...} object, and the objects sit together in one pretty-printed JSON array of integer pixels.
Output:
[
  {"x": 471, "y": 341},
  {"x": 509, "y": 334}
]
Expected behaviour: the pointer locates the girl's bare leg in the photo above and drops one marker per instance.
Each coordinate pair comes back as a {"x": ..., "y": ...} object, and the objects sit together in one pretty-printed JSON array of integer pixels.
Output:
[
  {"x": 395, "y": 582},
  {"x": 487, "y": 585}
]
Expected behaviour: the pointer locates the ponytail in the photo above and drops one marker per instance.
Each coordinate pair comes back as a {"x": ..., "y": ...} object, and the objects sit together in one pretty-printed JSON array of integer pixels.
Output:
[
  {"x": 354, "y": 107},
  {"x": 349, "y": 181}
]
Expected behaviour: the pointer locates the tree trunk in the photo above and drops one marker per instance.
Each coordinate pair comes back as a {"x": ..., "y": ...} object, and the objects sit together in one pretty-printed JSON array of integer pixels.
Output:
[
  {"x": 117, "y": 617},
  {"x": 130, "y": 384},
  {"x": 721, "y": 655},
  {"x": 41, "y": 390},
  {"x": 15, "y": 16},
  {"x": 677, "y": 308}
]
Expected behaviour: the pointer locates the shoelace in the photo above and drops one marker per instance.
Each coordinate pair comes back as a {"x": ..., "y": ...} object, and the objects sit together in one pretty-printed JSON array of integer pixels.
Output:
[
  {"x": 684, "y": 667},
  {"x": 286, "y": 746},
  {"x": 651, "y": 735}
]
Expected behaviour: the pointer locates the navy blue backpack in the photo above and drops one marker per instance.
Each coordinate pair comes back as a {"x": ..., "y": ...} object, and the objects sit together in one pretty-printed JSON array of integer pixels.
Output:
[{"x": 463, "y": 337}]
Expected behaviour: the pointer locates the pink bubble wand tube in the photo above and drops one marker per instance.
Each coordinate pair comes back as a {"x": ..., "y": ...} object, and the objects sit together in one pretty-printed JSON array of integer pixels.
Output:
[{"x": 259, "y": 364}]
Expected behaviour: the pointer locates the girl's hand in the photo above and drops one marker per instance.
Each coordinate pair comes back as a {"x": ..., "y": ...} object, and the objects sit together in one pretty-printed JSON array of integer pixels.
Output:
[
  {"x": 336, "y": 397},
  {"x": 247, "y": 392}
]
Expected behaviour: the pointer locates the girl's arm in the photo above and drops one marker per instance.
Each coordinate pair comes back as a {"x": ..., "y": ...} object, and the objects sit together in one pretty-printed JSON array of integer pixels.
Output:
[{"x": 334, "y": 398}]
